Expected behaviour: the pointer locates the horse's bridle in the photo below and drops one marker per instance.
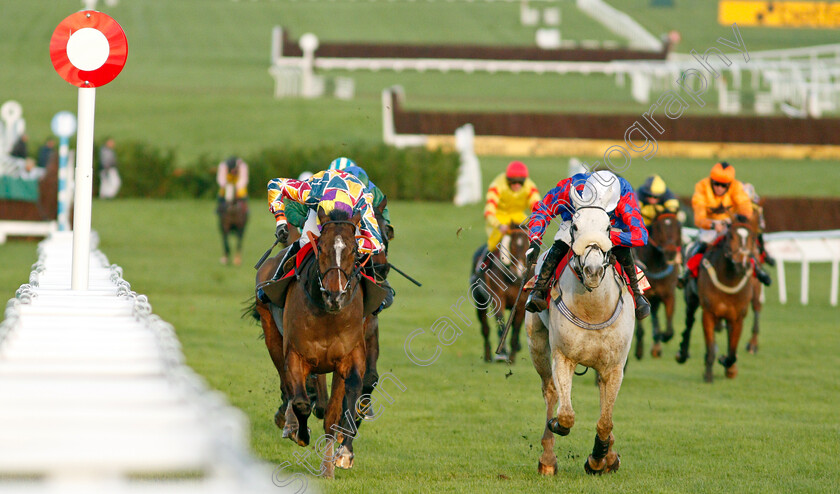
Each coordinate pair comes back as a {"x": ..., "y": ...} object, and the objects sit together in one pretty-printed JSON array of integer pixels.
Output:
[
  {"x": 575, "y": 262},
  {"x": 355, "y": 275},
  {"x": 728, "y": 253}
]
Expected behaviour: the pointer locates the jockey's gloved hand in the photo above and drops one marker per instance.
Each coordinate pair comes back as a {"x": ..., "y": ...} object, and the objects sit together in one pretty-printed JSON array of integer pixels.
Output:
[
  {"x": 282, "y": 232},
  {"x": 533, "y": 252}
]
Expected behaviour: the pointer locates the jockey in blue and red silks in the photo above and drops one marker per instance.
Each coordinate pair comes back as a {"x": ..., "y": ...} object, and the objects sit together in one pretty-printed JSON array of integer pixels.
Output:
[{"x": 628, "y": 230}]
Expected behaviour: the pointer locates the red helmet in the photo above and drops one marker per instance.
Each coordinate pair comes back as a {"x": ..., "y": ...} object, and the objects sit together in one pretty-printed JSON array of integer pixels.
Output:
[{"x": 517, "y": 170}]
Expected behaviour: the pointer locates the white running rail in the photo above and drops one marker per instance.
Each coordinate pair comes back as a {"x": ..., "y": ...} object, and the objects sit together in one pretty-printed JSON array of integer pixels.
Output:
[{"x": 95, "y": 395}]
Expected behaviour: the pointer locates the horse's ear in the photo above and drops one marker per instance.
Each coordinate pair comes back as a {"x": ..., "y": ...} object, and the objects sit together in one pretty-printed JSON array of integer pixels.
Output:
[
  {"x": 382, "y": 205},
  {"x": 322, "y": 216},
  {"x": 357, "y": 218},
  {"x": 389, "y": 232}
]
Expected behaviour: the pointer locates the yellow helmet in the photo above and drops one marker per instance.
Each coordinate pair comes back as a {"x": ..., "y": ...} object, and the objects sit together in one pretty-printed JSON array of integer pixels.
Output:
[{"x": 657, "y": 186}]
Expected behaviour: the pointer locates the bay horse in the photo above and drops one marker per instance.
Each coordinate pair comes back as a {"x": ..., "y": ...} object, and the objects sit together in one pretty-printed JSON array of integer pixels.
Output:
[
  {"x": 501, "y": 282},
  {"x": 233, "y": 216},
  {"x": 724, "y": 289},
  {"x": 323, "y": 331},
  {"x": 590, "y": 322},
  {"x": 659, "y": 260}
]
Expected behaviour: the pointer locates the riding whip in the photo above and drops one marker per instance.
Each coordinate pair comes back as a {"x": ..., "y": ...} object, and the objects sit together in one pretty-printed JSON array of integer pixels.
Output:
[
  {"x": 512, "y": 313},
  {"x": 265, "y": 256},
  {"x": 409, "y": 278}
]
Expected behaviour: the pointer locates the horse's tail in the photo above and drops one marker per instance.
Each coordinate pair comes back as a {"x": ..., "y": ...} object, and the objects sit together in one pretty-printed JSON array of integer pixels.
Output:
[{"x": 250, "y": 309}]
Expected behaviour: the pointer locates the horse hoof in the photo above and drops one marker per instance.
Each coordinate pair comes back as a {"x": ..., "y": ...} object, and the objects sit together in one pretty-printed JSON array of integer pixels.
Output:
[
  {"x": 280, "y": 419},
  {"x": 681, "y": 357},
  {"x": 555, "y": 427},
  {"x": 547, "y": 470},
  {"x": 707, "y": 377},
  {"x": 613, "y": 467},
  {"x": 319, "y": 412},
  {"x": 667, "y": 336},
  {"x": 290, "y": 433},
  {"x": 223, "y": 260},
  {"x": 752, "y": 349},
  {"x": 344, "y": 458},
  {"x": 639, "y": 352},
  {"x": 591, "y": 471},
  {"x": 732, "y": 371},
  {"x": 656, "y": 351},
  {"x": 237, "y": 260}
]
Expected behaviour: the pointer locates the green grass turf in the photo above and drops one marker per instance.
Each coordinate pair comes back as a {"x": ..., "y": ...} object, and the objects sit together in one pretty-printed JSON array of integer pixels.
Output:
[{"x": 462, "y": 425}]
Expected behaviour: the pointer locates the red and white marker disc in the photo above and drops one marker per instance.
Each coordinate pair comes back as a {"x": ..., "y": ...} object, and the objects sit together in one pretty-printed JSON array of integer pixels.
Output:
[{"x": 88, "y": 49}]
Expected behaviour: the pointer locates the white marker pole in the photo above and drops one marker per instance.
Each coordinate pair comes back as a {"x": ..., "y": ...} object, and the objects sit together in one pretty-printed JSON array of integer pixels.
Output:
[{"x": 84, "y": 190}]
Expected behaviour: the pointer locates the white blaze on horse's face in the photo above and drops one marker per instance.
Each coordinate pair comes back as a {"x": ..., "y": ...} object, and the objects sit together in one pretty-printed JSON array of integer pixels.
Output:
[
  {"x": 591, "y": 242},
  {"x": 743, "y": 254},
  {"x": 339, "y": 247}
]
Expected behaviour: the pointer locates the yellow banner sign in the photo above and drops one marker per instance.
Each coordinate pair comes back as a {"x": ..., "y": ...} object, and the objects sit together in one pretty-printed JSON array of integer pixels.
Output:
[{"x": 779, "y": 14}]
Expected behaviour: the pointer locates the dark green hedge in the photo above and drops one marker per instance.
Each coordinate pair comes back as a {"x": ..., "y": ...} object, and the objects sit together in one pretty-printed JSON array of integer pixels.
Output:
[{"x": 409, "y": 174}]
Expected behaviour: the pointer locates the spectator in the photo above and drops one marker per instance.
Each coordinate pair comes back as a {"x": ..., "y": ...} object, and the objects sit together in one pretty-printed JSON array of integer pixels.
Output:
[
  {"x": 19, "y": 150},
  {"x": 109, "y": 183},
  {"x": 45, "y": 151}
]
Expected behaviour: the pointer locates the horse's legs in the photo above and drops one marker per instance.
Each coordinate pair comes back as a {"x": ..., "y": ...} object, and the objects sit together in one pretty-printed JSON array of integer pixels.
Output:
[
  {"x": 734, "y": 328},
  {"x": 515, "y": 344},
  {"x": 752, "y": 346},
  {"x": 321, "y": 396},
  {"x": 709, "y": 323},
  {"x": 372, "y": 355},
  {"x": 332, "y": 425},
  {"x": 274, "y": 343},
  {"x": 485, "y": 332},
  {"x": 640, "y": 340},
  {"x": 540, "y": 356},
  {"x": 225, "y": 247},
  {"x": 500, "y": 323},
  {"x": 563, "y": 369},
  {"x": 237, "y": 256},
  {"x": 692, "y": 302},
  {"x": 669, "y": 317},
  {"x": 353, "y": 419},
  {"x": 656, "y": 349},
  {"x": 297, "y": 370},
  {"x": 603, "y": 458}
]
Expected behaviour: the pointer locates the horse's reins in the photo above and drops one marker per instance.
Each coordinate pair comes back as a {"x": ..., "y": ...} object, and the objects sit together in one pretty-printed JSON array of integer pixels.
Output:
[{"x": 730, "y": 290}]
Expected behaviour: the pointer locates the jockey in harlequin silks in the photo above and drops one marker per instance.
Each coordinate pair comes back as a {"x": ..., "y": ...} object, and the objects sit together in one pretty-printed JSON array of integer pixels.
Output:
[
  {"x": 510, "y": 198},
  {"x": 628, "y": 230},
  {"x": 328, "y": 190},
  {"x": 716, "y": 200},
  {"x": 656, "y": 198}
]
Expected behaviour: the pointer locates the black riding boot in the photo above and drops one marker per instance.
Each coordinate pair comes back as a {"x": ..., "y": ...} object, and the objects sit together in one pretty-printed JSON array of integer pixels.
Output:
[
  {"x": 536, "y": 301},
  {"x": 624, "y": 255},
  {"x": 761, "y": 274},
  {"x": 762, "y": 252}
]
